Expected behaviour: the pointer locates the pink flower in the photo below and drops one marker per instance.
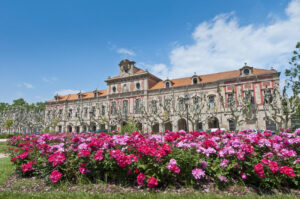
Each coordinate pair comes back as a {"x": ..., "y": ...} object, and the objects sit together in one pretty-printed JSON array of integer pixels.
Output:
[
  {"x": 224, "y": 163},
  {"x": 27, "y": 167},
  {"x": 198, "y": 173},
  {"x": 223, "y": 178},
  {"x": 273, "y": 166},
  {"x": 55, "y": 176},
  {"x": 23, "y": 155},
  {"x": 140, "y": 179},
  {"x": 259, "y": 170},
  {"x": 297, "y": 161},
  {"x": 175, "y": 169},
  {"x": 288, "y": 171},
  {"x": 244, "y": 176},
  {"x": 99, "y": 155},
  {"x": 152, "y": 182},
  {"x": 57, "y": 158},
  {"x": 82, "y": 169},
  {"x": 84, "y": 153}
]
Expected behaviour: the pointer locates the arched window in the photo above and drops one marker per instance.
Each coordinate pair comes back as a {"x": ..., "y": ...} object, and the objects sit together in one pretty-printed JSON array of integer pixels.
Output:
[
  {"x": 195, "y": 80},
  {"x": 114, "y": 89},
  {"x": 167, "y": 84}
]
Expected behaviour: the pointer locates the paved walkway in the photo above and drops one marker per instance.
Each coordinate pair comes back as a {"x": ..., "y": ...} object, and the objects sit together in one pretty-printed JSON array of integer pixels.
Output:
[
  {"x": 3, "y": 140},
  {"x": 2, "y": 155}
]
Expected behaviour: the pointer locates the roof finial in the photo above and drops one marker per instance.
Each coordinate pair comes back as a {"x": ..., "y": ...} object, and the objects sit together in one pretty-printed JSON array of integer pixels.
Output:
[{"x": 245, "y": 63}]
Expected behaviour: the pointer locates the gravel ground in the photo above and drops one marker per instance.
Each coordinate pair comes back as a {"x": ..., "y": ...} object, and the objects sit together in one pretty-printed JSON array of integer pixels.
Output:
[{"x": 3, "y": 155}]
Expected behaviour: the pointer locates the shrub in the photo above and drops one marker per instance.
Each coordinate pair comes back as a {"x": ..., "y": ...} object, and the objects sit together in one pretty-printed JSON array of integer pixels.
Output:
[{"x": 164, "y": 159}]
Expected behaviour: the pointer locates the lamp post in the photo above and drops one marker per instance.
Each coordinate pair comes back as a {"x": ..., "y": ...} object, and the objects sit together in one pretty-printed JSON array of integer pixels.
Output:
[{"x": 186, "y": 99}]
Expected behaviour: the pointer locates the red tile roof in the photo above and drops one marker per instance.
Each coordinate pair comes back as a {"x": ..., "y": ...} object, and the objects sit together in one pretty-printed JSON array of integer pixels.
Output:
[{"x": 209, "y": 78}]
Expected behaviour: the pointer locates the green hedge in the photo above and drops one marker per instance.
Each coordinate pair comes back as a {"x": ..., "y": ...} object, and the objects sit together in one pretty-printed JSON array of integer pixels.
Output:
[{"x": 5, "y": 136}]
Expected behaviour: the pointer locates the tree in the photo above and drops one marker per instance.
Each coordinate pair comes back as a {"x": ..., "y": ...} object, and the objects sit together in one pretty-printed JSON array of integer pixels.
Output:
[
  {"x": 279, "y": 107},
  {"x": 238, "y": 111},
  {"x": 292, "y": 74},
  {"x": 8, "y": 124}
]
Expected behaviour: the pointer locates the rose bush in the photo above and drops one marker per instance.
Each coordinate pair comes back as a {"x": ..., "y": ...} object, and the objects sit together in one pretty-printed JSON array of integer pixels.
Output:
[{"x": 159, "y": 160}]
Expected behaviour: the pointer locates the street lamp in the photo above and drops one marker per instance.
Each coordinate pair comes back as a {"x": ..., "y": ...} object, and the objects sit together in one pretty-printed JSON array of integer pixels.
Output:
[{"x": 186, "y": 99}]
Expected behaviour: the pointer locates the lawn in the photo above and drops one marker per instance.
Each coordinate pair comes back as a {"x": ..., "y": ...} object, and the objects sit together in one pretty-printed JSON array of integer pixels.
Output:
[
  {"x": 6, "y": 169},
  {"x": 3, "y": 147},
  {"x": 82, "y": 195}
]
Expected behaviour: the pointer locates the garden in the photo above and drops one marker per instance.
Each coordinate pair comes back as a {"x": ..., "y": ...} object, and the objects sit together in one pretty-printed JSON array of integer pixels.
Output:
[{"x": 157, "y": 162}]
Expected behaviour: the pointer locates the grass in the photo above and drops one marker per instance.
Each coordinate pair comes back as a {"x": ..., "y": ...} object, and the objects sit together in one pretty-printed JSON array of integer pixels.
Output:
[
  {"x": 82, "y": 195},
  {"x": 3, "y": 147},
  {"x": 135, "y": 196},
  {"x": 6, "y": 169}
]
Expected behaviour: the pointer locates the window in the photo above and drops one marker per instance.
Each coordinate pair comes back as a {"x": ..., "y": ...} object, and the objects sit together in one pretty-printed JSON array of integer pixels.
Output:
[
  {"x": 49, "y": 114},
  {"x": 85, "y": 112},
  {"x": 195, "y": 80},
  {"x": 246, "y": 71},
  {"x": 125, "y": 89},
  {"x": 60, "y": 113},
  {"x": 93, "y": 111},
  {"x": 95, "y": 94},
  {"x": 70, "y": 113},
  {"x": 196, "y": 103},
  {"x": 181, "y": 104},
  {"x": 231, "y": 125},
  {"x": 167, "y": 104},
  {"x": 113, "y": 108},
  {"x": 211, "y": 100},
  {"x": 125, "y": 107},
  {"x": 167, "y": 84},
  {"x": 154, "y": 106},
  {"x": 249, "y": 97},
  {"x": 114, "y": 89},
  {"x": 137, "y": 105},
  {"x": 230, "y": 99},
  {"x": 77, "y": 113},
  {"x": 138, "y": 86},
  {"x": 268, "y": 98},
  {"x": 103, "y": 110}
]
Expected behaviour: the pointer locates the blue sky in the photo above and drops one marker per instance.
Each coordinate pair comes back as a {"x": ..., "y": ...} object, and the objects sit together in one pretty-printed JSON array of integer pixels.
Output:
[{"x": 67, "y": 46}]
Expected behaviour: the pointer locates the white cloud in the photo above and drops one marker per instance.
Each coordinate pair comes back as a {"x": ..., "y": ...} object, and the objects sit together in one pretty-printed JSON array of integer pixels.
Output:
[
  {"x": 66, "y": 92},
  {"x": 49, "y": 79},
  {"x": 223, "y": 44},
  {"x": 125, "y": 51},
  {"x": 27, "y": 85},
  {"x": 160, "y": 70}
]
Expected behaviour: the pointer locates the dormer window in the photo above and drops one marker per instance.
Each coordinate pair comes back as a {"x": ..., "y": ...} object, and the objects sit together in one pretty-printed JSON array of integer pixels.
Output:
[
  {"x": 167, "y": 84},
  {"x": 95, "y": 94},
  {"x": 79, "y": 95},
  {"x": 114, "y": 89},
  {"x": 246, "y": 71},
  {"x": 195, "y": 80}
]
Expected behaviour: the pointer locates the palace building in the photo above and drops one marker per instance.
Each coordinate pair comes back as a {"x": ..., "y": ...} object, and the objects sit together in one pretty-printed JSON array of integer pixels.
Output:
[{"x": 198, "y": 102}]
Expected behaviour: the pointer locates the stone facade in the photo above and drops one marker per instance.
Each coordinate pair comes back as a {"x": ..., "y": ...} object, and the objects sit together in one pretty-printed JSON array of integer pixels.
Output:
[{"x": 138, "y": 96}]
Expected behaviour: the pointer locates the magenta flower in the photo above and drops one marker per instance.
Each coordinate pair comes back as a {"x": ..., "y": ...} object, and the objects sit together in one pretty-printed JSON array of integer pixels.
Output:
[{"x": 198, "y": 173}]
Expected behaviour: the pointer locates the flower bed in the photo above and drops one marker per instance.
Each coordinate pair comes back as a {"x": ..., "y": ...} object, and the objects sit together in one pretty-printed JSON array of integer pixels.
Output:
[{"x": 160, "y": 160}]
